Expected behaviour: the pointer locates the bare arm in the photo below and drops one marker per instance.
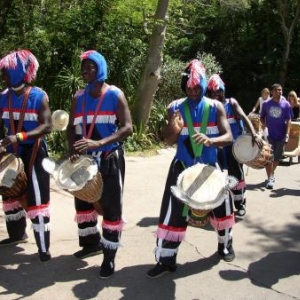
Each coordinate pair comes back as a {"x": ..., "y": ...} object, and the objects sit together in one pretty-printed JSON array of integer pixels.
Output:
[
  {"x": 255, "y": 106},
  {"x": 240, "y": 113}
]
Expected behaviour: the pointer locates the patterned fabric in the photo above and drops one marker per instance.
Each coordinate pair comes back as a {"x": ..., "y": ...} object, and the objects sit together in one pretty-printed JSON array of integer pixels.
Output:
[{"x": 215, "y": 83}]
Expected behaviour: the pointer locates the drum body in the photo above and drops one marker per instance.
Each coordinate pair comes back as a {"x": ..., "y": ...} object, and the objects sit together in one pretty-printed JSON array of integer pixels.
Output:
[
  {"x": 81, "y": 178},
  {"x": 13, "y": 179},
  {"x": 252, "y": 156},
  {"x": 202, "y": 188}
]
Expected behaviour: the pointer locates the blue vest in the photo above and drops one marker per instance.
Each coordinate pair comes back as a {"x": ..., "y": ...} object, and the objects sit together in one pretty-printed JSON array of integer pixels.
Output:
[
  {"x": 209, "y": 154},
  {"x": 106, "y": 116}
]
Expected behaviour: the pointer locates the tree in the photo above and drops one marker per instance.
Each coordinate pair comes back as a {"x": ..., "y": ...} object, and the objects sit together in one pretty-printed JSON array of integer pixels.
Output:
[
  {"x": 151, "y": 75},
  {"x": 289, "y": 12}
]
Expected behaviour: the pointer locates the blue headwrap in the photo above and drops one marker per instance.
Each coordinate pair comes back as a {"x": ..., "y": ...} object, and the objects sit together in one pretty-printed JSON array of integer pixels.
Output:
[{"x": 99, "y": 60}]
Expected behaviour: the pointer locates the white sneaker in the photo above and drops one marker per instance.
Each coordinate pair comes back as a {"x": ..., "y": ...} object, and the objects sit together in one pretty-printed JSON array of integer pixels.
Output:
[{"x": 270, "y": 183}]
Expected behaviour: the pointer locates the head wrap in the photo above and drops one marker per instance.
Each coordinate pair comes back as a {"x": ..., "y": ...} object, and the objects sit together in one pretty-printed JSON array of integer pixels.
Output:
[
  {"x": 99, "y": 60},
  {"x": 21, "y": 66},
  {"x": 194, "y": 75},
  {"x": 215, "y": 83}
]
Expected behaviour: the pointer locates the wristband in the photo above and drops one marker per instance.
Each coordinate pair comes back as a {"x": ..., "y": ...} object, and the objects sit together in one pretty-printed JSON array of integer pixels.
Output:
[{"x": 21, "y": 136}]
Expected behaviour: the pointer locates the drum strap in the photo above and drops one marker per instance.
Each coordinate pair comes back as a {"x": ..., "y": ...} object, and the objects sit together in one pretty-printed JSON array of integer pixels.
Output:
[{"x": 197, "y": 148}]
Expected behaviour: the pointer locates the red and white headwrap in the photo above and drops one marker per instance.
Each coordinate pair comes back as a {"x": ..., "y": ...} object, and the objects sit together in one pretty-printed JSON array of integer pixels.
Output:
[
  {"x": 197, "y": 72},
  {"x": 215, "y": 83},
  {"x": 21, "y": 65}
]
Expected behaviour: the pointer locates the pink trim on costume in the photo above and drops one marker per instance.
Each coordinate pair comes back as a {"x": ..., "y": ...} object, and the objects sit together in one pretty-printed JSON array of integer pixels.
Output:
[
  {"x": 86, "y": 54},
  {"x": 241, "y": 185},
  {"x": 39, "y": 210},
  {"x": 86, "y": 216},
  {"x": 222, "y": 223},
  {"x": 173, "y": 236},
  {"x": 113, "y": 226},
  {"x": 11, "y": 205},
  {"x": 171, "y": 233}
]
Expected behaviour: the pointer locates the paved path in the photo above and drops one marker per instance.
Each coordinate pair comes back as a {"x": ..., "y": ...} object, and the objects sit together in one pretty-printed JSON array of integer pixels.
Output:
[{"x": 266, "y": 241}]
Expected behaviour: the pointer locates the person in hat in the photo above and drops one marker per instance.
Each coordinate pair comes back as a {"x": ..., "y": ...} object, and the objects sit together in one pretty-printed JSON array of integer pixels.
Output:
[
  {"x": 185, "y": 125},
  {"x": 99, "y": 122},
  {"x": 26, "y": 117},
  {"x": 236, "y": 118}
]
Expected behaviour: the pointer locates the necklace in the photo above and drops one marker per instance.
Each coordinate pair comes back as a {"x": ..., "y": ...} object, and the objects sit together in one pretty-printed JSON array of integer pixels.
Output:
[{"x": 18, "y": 88}]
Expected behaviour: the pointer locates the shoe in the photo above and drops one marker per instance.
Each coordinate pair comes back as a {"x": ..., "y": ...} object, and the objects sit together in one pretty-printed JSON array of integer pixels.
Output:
[
  {"x": 160, "y": 269},
  {"x": 230, "y": 256},
  {"x": 270, "y": 183},
  {"x": 44, "y": 256},
  {"x": 241, "y": 211},
  {"x": 13, "y": 241},
  {"x": 87, "y": 252},
  {"x": 107, "y": 270}
]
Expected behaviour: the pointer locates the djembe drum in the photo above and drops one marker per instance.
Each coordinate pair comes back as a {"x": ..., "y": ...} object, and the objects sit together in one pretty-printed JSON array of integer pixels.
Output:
[
  {"x": 251, "y": 155},
  {"x": 13, "y": 179},
  {"x": 202, "y": 188}
]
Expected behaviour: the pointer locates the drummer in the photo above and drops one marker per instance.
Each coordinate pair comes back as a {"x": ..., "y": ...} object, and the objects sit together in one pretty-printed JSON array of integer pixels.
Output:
[
  {"x": 26, "y": 139},
  {"x": 173, "y": 220},
  {"x": 236, "y": 118},
  {"x": 99, "y": 122}
]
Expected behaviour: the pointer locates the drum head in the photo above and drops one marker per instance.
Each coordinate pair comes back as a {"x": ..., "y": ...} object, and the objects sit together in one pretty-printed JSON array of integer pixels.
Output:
[
  {"x": 243, "y": 150},
  {"x": 201, "y": 187},
  {"x": 74, "y": 176}
]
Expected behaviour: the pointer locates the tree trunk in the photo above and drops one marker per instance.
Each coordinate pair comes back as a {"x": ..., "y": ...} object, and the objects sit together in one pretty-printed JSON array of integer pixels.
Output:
[
  {"x": 151, "y": 75},
  {"x": 288, "y": 25}
]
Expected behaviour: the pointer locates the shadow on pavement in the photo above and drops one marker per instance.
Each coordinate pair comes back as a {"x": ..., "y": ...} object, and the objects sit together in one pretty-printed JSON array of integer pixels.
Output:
[
  {"x": 32, "y": 276},
  {"x": 267, "y": 271}
]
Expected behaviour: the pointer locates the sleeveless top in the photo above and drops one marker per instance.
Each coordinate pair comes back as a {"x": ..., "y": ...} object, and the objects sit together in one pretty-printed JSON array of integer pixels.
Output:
[
  {"x": 184, "y": 151},
  {"x": 34, "y": 105},
  {"x": 106, "y": 122},
  {"x": 295, "y": 112},
  {"x": 236, "y": 124}
]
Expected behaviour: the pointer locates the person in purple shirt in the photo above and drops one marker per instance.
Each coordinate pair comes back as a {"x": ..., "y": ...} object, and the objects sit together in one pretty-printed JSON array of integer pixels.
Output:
[{"x": 276, "y": 117}]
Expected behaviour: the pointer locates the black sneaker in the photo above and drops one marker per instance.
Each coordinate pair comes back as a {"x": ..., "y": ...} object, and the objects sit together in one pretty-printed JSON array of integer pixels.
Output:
[
  {"x": 107, "y": 270},
  {"x": 13, "y": 241},
  {"x": 87, "y": 252},
  {"x": 230, "y": 256},
  {"x": 44, "y": 256},
  {"x": 241, "y": 211},
  {"x": 160, "y": 269}
]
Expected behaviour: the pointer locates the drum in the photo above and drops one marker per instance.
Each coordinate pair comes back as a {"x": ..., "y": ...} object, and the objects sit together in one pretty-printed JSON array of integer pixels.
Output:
[
  {"x": 255, "y": 120},
  {"x": 202, "y": 188},
  {"x": 13, "y": 179},
  {"x": 252, "y": 156},
  {"x": 81, "y": 178}
]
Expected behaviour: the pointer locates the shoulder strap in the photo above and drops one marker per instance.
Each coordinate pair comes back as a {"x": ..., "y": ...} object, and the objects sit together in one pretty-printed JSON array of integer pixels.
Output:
[{"x": 197, "y": 148}]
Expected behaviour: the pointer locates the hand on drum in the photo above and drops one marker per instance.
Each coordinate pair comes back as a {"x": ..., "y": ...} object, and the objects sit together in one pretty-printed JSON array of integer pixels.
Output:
[
  {"x": 201, "y": 138},
  {"x": 7, "y": 141},
  {"x": 256, "y": 139},
  {"x": 84, "y": 144}
]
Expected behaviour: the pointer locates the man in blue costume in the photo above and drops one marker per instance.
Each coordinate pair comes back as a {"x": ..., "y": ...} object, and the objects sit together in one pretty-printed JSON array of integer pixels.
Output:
[
  {"x": 172, "y": 221},
  {"x": 236, "y": 118},
  {"x": 99, "y": 122},
  {"x": 26, "y": 115}
]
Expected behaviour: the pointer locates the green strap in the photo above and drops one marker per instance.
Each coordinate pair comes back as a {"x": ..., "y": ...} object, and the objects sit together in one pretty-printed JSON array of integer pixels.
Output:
[{"x": 197, "y": 148}]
